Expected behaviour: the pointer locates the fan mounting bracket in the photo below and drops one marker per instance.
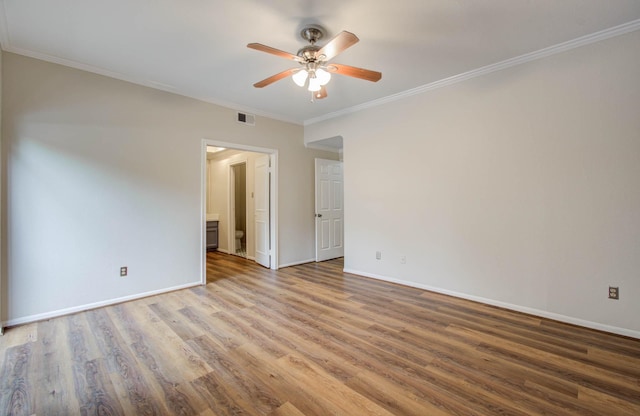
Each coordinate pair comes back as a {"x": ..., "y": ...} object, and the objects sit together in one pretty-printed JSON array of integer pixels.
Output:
[{"x": 312, "y": 34}]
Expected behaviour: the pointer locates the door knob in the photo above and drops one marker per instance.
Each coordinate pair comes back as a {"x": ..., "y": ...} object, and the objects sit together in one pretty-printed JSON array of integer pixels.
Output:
[{"x": 319, "y": 215}]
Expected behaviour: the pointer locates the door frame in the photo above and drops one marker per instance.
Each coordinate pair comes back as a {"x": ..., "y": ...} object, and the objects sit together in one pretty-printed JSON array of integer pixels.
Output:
[{"x": 273, "y": 196}]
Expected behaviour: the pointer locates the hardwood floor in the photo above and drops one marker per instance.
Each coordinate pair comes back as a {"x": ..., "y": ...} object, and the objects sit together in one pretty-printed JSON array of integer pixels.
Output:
[{"x": 310, "y": 340}]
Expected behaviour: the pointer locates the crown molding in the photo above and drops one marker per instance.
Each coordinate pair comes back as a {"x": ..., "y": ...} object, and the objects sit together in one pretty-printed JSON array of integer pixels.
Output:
[
  {"x": 634, "y": 25},
  {"x": 498, "y": 66},
  {"x": 139, "y": 81},
  {"x": 5, "y": 45}
]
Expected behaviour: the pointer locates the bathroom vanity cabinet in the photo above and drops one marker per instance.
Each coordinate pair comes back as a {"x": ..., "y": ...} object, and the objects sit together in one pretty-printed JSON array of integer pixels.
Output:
[{"x": 212, "y": 235}]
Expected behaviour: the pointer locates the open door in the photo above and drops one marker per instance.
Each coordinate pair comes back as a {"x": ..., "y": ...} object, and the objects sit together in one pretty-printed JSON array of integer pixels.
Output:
[
  {"x": 329, "y": 210},
  {"x": 262, "y": 211}
]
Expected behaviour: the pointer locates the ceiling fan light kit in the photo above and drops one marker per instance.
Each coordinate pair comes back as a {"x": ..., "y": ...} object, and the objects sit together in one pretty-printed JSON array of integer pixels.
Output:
[
  {"x": 317, "y": 77},
  {"x": 315, "y": 73}
]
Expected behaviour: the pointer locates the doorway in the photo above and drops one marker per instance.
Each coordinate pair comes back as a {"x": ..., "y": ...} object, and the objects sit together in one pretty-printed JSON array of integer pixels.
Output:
[
  {"x": 238, "y": 209},
  {"x": 260, "y": 217}
]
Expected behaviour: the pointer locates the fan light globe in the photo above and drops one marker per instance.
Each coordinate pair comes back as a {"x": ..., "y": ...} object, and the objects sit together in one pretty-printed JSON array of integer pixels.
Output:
[
  {"x": 323, "y": 76},
  {"x": 314, "y": 84},
  {"x": 300, "y": 77}
]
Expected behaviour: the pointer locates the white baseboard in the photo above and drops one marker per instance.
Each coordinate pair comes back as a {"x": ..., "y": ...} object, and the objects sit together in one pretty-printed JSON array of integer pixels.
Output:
[
  {"x": 297, "y": 263},
  {"x": 531, "y": 311},
  {"x": 89, "y": 306}
]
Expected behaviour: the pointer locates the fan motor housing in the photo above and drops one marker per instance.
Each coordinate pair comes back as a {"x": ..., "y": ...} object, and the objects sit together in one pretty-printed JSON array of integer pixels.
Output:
[{"x": 308, "y": 53}]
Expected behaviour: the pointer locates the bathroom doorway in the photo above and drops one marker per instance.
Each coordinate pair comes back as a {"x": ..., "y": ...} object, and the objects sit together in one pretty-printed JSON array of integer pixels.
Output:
[
  {"x": 238, "y": 208},
  {"x": 226, "y": 168}
]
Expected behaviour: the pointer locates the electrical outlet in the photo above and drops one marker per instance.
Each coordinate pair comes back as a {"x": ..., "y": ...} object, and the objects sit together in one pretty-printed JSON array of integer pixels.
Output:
[
  {"x": 378, "y": 255},
  {"x": 123, "y": 271},
  {"x": 403, "y": 259},
  {"x": 614, "y": 292}
]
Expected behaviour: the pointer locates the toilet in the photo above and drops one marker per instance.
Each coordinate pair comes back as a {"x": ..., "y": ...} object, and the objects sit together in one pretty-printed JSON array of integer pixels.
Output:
[{"x": 239, "y": 235}]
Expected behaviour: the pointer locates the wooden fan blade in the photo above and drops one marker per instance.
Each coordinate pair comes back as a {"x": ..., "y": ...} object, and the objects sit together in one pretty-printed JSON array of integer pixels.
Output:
[
  {"x": 318, "y": 95},
  {"x": 274, "y": 51},
  {"x": 352, "y": 71},
  {"x": 276, "y": 77},
  {"x": 337, "y": 44}
]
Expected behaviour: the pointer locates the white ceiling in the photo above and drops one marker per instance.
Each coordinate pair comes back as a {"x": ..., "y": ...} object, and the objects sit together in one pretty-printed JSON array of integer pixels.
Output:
[{"x": 198, "y": 48}]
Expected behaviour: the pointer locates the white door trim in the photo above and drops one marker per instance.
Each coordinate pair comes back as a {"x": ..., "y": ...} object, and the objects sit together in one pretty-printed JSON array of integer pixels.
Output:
[{"x": 273, "y": 189}]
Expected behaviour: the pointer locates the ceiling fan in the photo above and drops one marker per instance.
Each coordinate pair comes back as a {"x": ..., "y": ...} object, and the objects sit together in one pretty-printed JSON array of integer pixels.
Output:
[{"x": 315, "y": 71}]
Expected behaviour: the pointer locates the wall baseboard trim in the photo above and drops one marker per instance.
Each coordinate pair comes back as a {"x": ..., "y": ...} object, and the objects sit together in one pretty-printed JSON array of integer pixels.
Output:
[
  {"x": 531, "y": 311},
  {"x": 89, "y": 306},
  {"x": 297, "y": 263}
]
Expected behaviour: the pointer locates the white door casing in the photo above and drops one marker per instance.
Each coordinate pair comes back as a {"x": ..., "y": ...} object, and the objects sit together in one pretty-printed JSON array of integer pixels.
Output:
[
  {"x": 329, "y": 209},
  {"x": 272, "y": 191},
  {"x": 262, "y": 213}
]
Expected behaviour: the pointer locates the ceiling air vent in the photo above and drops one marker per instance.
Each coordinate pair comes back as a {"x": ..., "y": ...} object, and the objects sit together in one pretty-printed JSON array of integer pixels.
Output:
[{"x": 248, "y": 119}]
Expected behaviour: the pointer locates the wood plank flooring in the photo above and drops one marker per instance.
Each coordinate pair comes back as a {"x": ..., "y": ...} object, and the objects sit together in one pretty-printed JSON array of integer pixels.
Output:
[{"x": 311, "y": 340}]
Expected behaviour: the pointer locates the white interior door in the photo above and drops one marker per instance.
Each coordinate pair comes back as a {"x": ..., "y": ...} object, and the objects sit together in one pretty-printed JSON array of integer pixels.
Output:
[
  {"x": 262, "y": 211},
  {"x": 329, "y": 210}
]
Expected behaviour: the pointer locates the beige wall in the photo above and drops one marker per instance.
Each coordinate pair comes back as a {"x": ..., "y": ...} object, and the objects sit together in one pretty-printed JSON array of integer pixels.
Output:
[
  {"x": 101, "y": 173},
  {"x": 518, "y": 188}
]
